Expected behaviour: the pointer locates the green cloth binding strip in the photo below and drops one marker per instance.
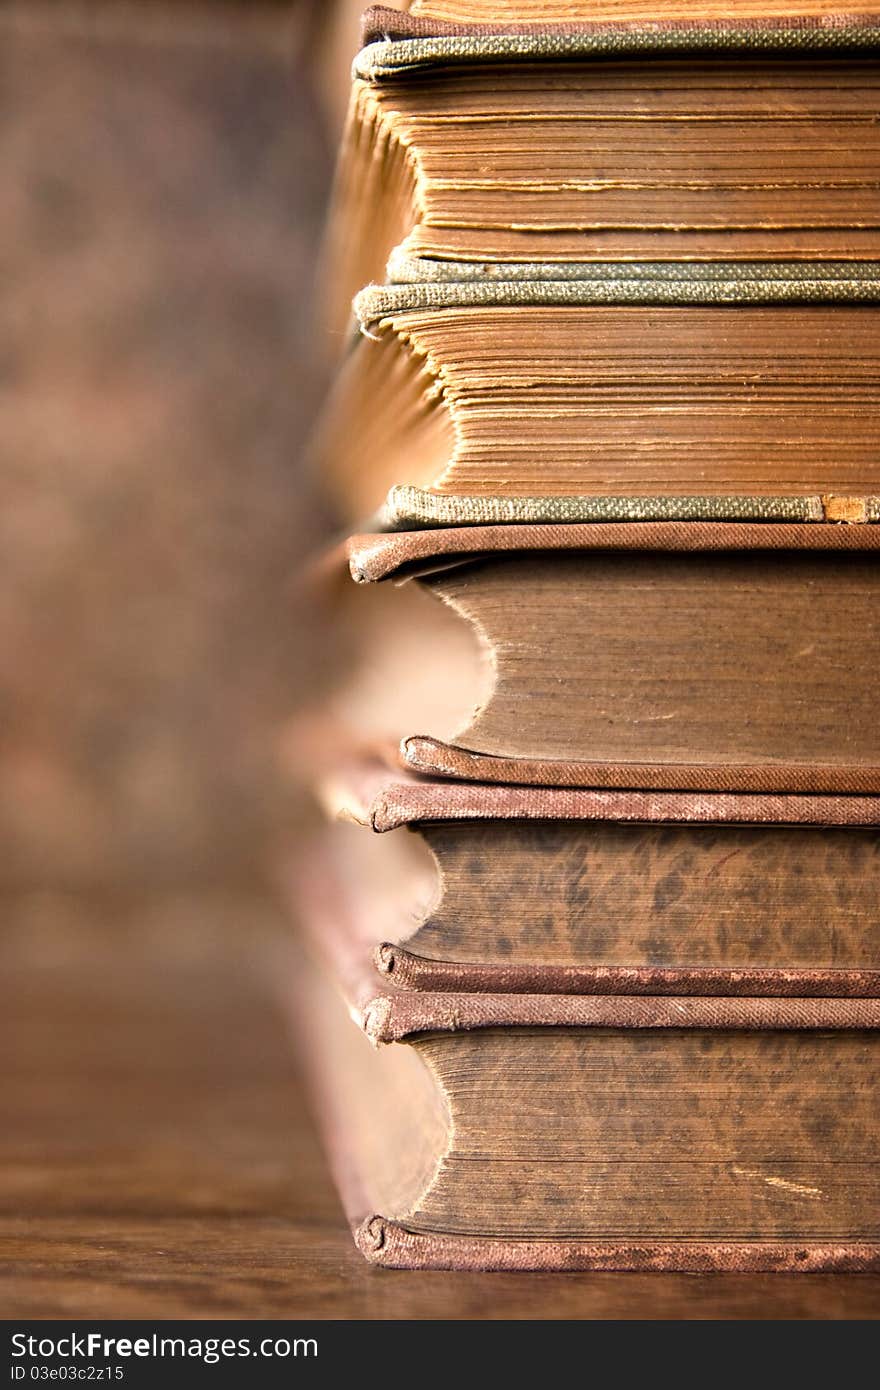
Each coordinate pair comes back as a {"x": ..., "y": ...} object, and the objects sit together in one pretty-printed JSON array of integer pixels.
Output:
[
  {"x": 404, "y": 269},
  {"x": 653, "y": 283},
  {"x": 841, "y": 34},
  {"x": 412, "y": 508}
]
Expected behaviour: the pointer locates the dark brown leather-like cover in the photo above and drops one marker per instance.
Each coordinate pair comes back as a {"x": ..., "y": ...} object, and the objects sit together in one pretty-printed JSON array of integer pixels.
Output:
[
  {"x": 378, "y": 556},
  {"x": 393, "y": 1016},
  {"x": 411, "y": 971},
  {"x": 431, "y": 757},
  {"x": 389, "y": 1011},
  {"x": 369, "y": 795},
  {"x": 374, "y": 797}
]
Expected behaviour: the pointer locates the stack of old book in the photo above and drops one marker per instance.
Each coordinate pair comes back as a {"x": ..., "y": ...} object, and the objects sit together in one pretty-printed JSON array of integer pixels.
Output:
[{"x": 603, "y": 896}]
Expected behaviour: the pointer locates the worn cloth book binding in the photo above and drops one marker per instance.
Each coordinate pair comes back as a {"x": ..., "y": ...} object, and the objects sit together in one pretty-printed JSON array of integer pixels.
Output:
[
  {"x": 727, "y": 137},
  {"x": 468, "y": 888},
  {"x": 516, "y": 1131},
  {"x": 605, "y": 391},
  {"x": 691, "y": 656}
]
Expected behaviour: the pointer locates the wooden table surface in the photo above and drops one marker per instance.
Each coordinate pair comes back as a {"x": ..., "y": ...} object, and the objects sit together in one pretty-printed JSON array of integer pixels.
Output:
[{"x": 157, "y": 1161}]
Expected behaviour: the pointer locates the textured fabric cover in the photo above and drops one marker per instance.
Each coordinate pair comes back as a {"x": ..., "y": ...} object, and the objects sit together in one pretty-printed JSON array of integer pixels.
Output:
[
  {"x": 430, "y": 757},
  {"x": 376, "y": 556},
  {"x": 410, "y": 971},
  {"x": 397, "y": 43},
  {"x": 388, "y": 1243},
  {"x": 393, "y": 1017},
  {"x": 371, "y": 796},
  {"x": 386, "y": 24},
  {"x": 408, "y": 508},
  {"x": 739, "y": 286}
]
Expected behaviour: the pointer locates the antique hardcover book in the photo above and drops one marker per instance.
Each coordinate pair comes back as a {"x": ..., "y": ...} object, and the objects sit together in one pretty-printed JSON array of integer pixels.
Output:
[
  {"x": 749, "y": 135},
  {"x": 698, "y": 656},
  {"x": 468, "y": 887},
  {"x": 534, "y": 401},
  {"x": 527, "y": 1131}
]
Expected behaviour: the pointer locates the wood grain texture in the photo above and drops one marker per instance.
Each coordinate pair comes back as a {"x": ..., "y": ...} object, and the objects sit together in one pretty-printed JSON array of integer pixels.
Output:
[{"x": 645, "y": 658}]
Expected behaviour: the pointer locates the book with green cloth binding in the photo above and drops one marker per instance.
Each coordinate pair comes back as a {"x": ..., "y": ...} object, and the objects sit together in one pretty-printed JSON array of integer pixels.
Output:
[
  {"x": 709, "y": 138},
  {"x": 600, "y": 390},
  {"x": 407, "y": 508}
]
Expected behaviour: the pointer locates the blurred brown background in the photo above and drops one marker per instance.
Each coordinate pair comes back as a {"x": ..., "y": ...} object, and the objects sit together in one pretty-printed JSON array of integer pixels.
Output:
[
  {"x": 164, "y": 169},
  {"x": 164, "y": 172}
]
